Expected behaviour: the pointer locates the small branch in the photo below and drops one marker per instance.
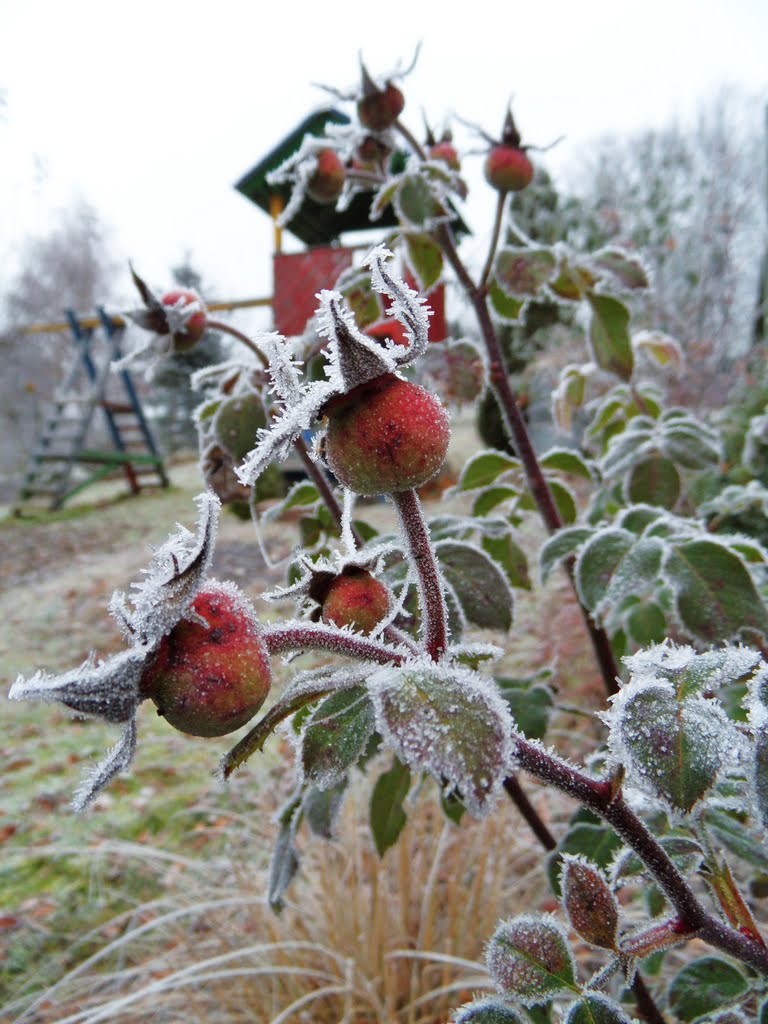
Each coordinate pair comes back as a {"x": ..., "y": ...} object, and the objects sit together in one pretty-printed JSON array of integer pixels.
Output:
[
  {"x": 520, "y": 799},
  {"x": 415, "y": 532},
  {"x": 319, "y": 479},
  {"x": 411, "y": 140},
  {"x": 219, "y": 325},
  {"x": 646, "y": 1005},
  {"x": 312, "y": 636},
  {"x": 500, "y": 205},
  {"x": 599, "y": 797},
  {"x": 517, "y": 431}
]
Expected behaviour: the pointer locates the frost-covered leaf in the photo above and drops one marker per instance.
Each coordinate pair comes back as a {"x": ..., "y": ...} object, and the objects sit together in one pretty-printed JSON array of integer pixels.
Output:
[
  {"x": 237, "y": 423},
  {"x": 484, "y": 468},
  {"x": 589, "y": 838},
  {"x": 598, "y": 561},
  {"x": 609, "y": 335},
  {"x": 478, "y": 583},
  {"x": 596, "y": 1008},
  {"x": 506, "y": 308},
  {"x": 705, "y": 985},
  {"x": 416, "y": 203},
  {"x": 733, "y": 830},
  {"x": 560, "y": 546},
  {"x": 507, "y": 553},
  {"x": 674, "y": 749},
  {"x": 491, "y": 497},
  {"x": 335, "y": 736},
  {"x": 522, "y": 272},
  {"x": 456, "y": 370},
  {"x": 448, "y": 721},
  {"x": 645, "y": 623},
  {"x": 636, "y": 574},
  {"x": 486, "y": 1010},
  {"x": 529, "y": 960},
  {"x": 386, "y": 810},
  {"x": 565, "y": 502},
  {"x": 302, "y": 495},
  {"x": 625, "y": 268},
  {"x": 285, "y": 857},
  {"x": 425, "y": 258},
  {"x": 715, "y": 595},
  {"x": 757, "y": 704},
  {"x": 567, "y": 460},
  {"x": 654, "y": 480},
  {"x": 531, "y": 702},
  {"x": 661, "y": 348},
  {"x": 589, "y": 903}
]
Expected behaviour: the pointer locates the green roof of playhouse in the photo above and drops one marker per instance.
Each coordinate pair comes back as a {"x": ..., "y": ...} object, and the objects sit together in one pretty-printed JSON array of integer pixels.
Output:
[{"x": 314, "y": 224}]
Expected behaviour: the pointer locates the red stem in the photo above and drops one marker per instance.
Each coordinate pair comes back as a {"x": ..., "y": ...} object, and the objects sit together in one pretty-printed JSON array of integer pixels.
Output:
[
  {"x": 415, "y": 531},
  {"x": 319, "y": 637}
]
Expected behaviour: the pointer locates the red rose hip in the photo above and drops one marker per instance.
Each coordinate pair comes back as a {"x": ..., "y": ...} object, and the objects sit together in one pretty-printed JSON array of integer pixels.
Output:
[
  {"x": 195, "y": 327},
  {"x": 357, "y": 599},
  {"x": 508, "y": 169},
  {"x": 386, "y": 435},
  {"x": 210, "y": 680},
  {"x": 327, "y": 180}
]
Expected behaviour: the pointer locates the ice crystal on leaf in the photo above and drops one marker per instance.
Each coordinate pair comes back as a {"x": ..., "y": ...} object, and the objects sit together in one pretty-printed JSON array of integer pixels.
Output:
[
  {"x": 110, "y": 689},
  {"x": 353, "y": 359},
  {"x": 448, "y": 721}
]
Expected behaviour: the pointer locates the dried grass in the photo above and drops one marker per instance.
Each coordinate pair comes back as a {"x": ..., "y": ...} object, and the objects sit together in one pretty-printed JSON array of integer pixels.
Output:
[{"x": 363, "y": 940}]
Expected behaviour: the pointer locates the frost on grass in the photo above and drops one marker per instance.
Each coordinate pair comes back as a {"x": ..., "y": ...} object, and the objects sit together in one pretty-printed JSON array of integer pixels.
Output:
[
  {"x": 448, "y": 721},
  {"x": 353, "y": 359}
]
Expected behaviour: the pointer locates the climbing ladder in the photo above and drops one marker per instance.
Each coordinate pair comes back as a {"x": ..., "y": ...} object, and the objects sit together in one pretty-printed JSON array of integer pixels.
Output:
[{"x": 61, "y": 465}]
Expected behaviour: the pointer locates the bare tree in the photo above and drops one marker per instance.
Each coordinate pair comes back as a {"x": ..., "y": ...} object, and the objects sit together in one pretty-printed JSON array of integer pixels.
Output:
[
  {"x": 70, "y": 267},
  {"x": 691, "y": 199}
]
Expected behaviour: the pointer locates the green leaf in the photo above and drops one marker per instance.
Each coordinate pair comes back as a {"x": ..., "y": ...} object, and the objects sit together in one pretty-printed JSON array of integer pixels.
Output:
[
  {"x": 567, "y": 460},
  {"x": 425, "y": 258},
  {"x": 415, "y": 202},
  {"x": 488, "y": 499},
  {"x": 507, "y": 553},
  {"x": 655, "y": 481},
  {"x": 285, "y": 857},
  {"x": 564, "y": 500},
  {"x": 627, "y": 270},
  {"x": 478, "y": 583},
  {"x": 598, "y": 560},
  {"x": 589, "y": 903},
  {"x": 715, "y": 595},
  {"x": 531, "y": 705},
  {"x": 609, "y": 335},
  {"x": 595, "y": 841},
  {"x": 321, "y": 808},
  {"x": 237, "y": 423},
  {"x": 529, "y": 960},
  {"x": 448, "y": 721},
  {"x": 562, "y": 544},
  {"x": 336, "y": 736},
  {"x": 596, "y": 1008},
  {"x": 705, "y": 985},
  {"x": 482, "y": 469},
  {"x": 507, "y": 309},
  {"x": 646, "y": 624},
  {"x": 386, "y": 811},
  {"x": 521, "y": 272},
  {"x": 365, "y": 303},
  {"x": 674, "y": 748},
  {"x": 734, "y": 833}
]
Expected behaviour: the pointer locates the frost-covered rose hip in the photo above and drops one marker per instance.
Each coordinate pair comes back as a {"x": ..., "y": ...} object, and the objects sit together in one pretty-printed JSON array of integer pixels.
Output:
[
  {"x": 386, "y": 435},
  {"x": 507, "y": 165},
  {"x": 208, "y": 680},
  {"x": 195, "y": 327},
  {"x": 378, "y": 108},
  {"x": 327, "y": 180},
  {"x": 356, "y": 598}
]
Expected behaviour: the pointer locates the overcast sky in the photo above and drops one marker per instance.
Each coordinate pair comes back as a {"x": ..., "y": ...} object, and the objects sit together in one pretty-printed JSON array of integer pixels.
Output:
[{"x": 151, "y": 111}]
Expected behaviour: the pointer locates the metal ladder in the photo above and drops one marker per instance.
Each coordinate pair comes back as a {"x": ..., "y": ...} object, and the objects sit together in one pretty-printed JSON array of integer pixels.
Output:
[{"x": 61, "y": 446}]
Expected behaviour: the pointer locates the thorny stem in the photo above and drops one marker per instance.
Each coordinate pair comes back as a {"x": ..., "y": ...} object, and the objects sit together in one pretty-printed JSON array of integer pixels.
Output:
[
  {"x": 518, "y": 433},
  {"x": 318, "y": 637},
  {"x": 598, "y": 796},
  {"x": 415, "y": 533},
  {"x": 500, "y": 206}
]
